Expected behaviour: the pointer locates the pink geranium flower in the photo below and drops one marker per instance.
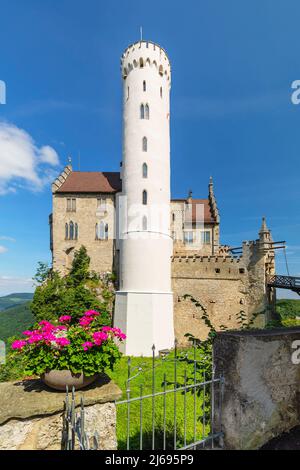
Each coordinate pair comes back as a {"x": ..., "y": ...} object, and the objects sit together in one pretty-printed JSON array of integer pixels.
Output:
[
  {"x": 87, "y": 345},
  {"x": 91, "y": 313},
  {"x": 19, "y": 344},
  {"x": 119, "y": 333},
  {"x": 35, "y": 338},
  {"x": 65, "y": 318},
  {"x": 62, "y": 341},
  {"x": 99, "y": 337},
  {"x": 85, "y": 321}
]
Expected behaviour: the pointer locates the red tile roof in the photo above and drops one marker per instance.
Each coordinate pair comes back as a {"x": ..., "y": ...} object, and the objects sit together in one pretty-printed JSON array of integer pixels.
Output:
[
  {"x": 91, "y": 182},
  {"x": 208, "y": 217}
]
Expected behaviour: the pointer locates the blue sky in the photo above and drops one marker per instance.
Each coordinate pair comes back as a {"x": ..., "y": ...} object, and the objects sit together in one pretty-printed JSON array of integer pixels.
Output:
[{"x": 233, "y": 64}]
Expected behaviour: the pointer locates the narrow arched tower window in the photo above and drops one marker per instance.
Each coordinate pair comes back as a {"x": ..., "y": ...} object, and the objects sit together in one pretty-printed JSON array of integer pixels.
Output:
[
  {"x": 161, "y": 71},
  {"x": 66, "y": 231},
  {"x": 71, "y": 231},
  {"x": 147, "y": 112},
  {"x": 144, "y": 85},
  {"x": 145, "y": 223},
  {"x": 161, "y": 91},
  {"x": 141, "y": 63},
  {"x": 145, "y": 170},
  {"x": 142, "y": 111},
  {"x": 145, "y": 144},
  {"x": 102, "y": 231},
  {"x": 76, "y": 231},
  {"x": 145, "y": 197},
  {"x": 106, "y": 231}
]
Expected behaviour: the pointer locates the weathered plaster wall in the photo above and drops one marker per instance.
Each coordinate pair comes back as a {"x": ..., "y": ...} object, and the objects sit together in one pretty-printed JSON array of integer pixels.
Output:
[{"x": 262, "y": 385}]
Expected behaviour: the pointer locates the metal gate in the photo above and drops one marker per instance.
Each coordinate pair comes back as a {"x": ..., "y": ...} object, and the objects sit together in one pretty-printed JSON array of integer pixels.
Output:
[{"x": 181, "y": 412}]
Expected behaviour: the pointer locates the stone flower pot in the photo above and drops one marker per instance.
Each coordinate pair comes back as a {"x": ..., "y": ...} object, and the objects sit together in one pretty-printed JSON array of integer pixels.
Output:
[{"x": 59, "y": 379}]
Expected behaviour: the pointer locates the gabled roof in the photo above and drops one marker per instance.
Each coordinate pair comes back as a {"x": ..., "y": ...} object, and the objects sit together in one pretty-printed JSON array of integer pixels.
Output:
[{"x": 91, "y": 182}]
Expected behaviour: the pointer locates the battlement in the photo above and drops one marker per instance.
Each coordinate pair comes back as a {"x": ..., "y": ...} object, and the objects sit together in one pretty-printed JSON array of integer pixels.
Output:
[
  {"x": 206, "y": 259},
  {"x": 145, "y": 54},
  {"x": 218, "y": 267}
]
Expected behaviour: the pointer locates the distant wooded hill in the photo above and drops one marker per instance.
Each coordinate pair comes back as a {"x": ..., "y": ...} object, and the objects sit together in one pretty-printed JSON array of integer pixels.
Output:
[
  {"x": 12, "y": 300},
  {"x": 15, "y": 314}
]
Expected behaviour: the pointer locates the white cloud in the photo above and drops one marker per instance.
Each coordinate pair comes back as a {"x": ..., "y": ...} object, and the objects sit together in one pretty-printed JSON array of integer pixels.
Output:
[
  {"x": 22, "y": 162},
  {"x": 10, "y": 285},
  {"x": 3, "y": 249},
  {"x": 7, "y": 239}
]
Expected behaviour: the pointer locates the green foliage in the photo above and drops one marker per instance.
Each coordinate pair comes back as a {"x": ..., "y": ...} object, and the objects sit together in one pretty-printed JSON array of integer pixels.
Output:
[
  {"x": 288, "y": 308},
  {"x": 73, "y": 294},
  {"x": 14, "y": 320}
]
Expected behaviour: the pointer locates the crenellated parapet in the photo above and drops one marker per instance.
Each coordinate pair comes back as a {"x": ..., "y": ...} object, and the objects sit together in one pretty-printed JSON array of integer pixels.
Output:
[
  {"x": 217, "y": 267},
  {"x": 143, "y": 54}
]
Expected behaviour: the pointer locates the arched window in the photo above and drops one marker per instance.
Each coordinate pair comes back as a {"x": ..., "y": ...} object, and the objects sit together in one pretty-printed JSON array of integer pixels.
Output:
[
  {"x": 106, "y": 231},
  {"x": 161, "y": 91},
  {"x": 145, "y": 223},
  {"x": 145, "y": 144},
  {"x": 144, "y": 85},
  {"x": 173, "y": 216},
  {"x": 145, "y": 170},
  {"x": 147, "y": 111},
  {"x": 66, "y": 231},
  {"x": 142, "y": 111},
  {"x": 71, "y": 231},
  {"x": 145, "y": 197},
  {"x": 141, "y": 63},
  {"x": 161, "y": 72},
  {"x": 76, "y": 231},
  {"x": 102, "y": 231}
]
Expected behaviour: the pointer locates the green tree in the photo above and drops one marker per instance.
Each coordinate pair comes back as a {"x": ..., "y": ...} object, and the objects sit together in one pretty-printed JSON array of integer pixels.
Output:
[{"x": 72, "y": 294}]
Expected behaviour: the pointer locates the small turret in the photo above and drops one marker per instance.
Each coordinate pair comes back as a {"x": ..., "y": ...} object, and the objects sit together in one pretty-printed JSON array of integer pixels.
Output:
[
  {"x": 213, "y": 201},
  {"x": 264, "y": 232}
]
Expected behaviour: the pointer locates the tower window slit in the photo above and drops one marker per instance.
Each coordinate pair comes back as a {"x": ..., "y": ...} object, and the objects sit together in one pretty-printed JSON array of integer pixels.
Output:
[
  {"x": 145, "y": 144},
  {"x": 145, "y": 170},
  {"x": 145, "y": 197}
]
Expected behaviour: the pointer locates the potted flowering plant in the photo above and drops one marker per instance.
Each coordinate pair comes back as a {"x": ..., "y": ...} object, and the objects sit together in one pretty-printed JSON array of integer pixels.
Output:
[{"x": 70, "y": 352}]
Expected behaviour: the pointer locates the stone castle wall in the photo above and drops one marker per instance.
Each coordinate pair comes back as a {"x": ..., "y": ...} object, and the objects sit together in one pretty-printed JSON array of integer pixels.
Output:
[
  {"x": 227, "y": 288},
  {"x": 101, "y": 252}
]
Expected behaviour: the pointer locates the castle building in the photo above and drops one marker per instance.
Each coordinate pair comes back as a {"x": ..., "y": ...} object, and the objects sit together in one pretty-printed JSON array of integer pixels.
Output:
[{"x": 166, "y": 252}]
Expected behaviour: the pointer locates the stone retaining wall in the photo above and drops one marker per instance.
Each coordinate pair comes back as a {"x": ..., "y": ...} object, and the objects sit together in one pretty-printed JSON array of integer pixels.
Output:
[
  {"x": 262, "y": 385},
  {"x": 31, "y": 415}
]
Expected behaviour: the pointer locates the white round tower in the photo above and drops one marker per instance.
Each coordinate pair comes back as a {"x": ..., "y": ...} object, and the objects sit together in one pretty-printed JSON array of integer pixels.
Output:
[{"x": 144, "y": 303}]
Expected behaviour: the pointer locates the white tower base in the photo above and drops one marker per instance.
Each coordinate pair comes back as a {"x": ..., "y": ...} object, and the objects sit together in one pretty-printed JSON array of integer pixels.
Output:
[{"x": 147, "y": 319}]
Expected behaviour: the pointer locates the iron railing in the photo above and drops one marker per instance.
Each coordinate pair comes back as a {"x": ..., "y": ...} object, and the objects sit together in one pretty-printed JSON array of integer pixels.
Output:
[
  {"x": 74, "y": 436},
  {"x": 284, "y": 282},
  {"x": 185, "y": 416}
]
